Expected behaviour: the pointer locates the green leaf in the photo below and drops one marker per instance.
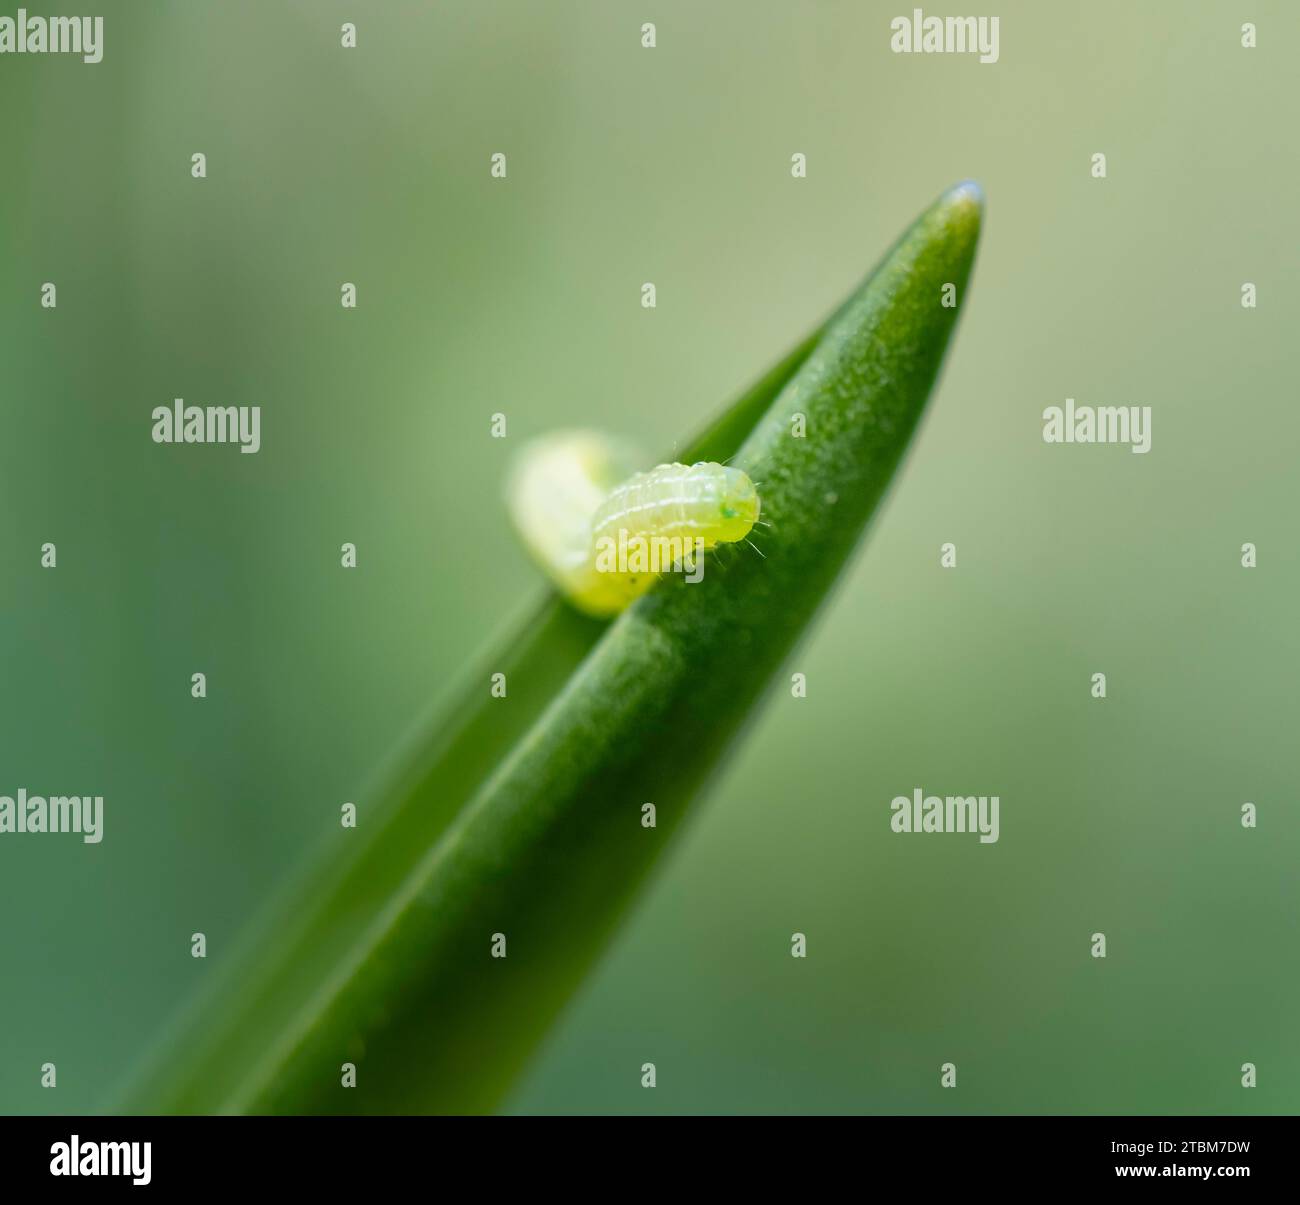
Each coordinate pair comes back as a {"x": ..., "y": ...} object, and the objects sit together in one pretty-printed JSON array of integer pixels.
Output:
[{"x": 526, "y": 820}]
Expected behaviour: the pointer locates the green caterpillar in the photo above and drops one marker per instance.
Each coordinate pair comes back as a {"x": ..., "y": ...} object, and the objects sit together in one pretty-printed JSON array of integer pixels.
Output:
[{"x": 603, "y": 544}]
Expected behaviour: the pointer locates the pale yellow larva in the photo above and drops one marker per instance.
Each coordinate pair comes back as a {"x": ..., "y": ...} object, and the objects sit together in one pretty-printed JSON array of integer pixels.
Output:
[
  {"x": 704, "y": 501},
  {"x": 580, "y": 529}
]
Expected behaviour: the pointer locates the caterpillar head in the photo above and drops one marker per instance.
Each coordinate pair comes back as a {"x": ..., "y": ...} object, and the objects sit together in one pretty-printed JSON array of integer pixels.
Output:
[{"x": 738, "y": 505}]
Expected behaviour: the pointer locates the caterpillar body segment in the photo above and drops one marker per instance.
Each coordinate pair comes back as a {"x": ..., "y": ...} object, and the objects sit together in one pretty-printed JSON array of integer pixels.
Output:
[
  {"x": 604, "y": 537},
  {"x": 668, "y": 517},
  {"x": 705, "y": 501},
  {"x": 556, "y": 484}
]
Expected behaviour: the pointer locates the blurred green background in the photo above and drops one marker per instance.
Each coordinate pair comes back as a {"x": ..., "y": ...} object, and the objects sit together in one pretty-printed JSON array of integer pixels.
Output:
[{"x": 669, "y": 165}]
